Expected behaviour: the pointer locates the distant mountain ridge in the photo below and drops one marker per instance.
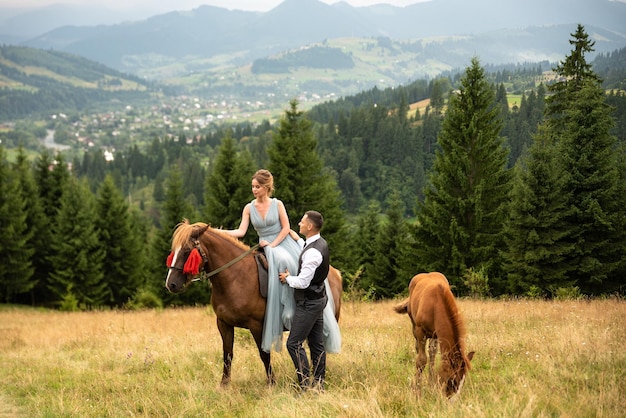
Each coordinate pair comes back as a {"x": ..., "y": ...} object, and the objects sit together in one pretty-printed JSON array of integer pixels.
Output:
[{"x": 209, "y": 31}]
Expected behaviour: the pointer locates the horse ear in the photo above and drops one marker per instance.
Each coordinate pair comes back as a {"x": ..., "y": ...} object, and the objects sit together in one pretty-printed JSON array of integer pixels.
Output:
[
  {"x": 192, "y": 265},
  {"x": 170, "y": 257},
  {"x": 197, "y": 232},
  {"x": 470, "y": 355}
]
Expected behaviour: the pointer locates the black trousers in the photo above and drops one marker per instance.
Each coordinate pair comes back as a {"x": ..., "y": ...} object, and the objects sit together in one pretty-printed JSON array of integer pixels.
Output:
[{"x": 308, "y": 325}]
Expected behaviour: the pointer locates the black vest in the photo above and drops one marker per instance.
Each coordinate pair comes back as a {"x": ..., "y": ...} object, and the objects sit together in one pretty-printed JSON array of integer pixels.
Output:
[{"x": 316, "y": 289}]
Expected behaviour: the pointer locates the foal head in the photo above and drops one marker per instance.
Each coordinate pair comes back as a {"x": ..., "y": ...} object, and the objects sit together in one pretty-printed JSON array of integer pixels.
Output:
[{"x": 453, "y": 371}]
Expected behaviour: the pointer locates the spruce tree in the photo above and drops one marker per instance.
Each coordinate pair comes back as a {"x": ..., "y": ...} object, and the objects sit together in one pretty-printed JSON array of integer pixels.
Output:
[
  {"x": 77, "y": 257},
  {"x": 572, "y": 73},
  {"x": 121, "y": 267},
  {"x": 364, "y": 245},
  {"x": 51, "y": 177},
  {"x": 462, "y": 216},
  {"x": 387, "y": 274},
  {"x": 227, "y": 187},
  {"x": 16, "y": 270},
  {"x": 174, "y": 210},
  {"x": 35, "y": 217},
  {"x": 579, "y": 122},
  {"x": 301, "y": 180},
  {"x": 596, "y": 223},
  {"x": 535, "y": 249}
]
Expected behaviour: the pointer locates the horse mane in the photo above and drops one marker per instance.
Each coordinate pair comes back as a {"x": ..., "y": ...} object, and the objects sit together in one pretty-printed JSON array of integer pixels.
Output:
[
  {"x": 184, "y": 231},
  {"x": 230, "y": 238},
  {"x": 456, "y": 321}
]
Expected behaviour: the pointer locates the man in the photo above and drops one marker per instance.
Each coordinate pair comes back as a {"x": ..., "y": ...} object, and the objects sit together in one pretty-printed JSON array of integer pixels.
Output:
[{"x": 310, "y": 297}]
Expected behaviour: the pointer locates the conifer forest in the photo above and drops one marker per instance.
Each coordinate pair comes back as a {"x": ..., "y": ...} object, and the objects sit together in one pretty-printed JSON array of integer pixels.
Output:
[{"x": 508, "y": 181}]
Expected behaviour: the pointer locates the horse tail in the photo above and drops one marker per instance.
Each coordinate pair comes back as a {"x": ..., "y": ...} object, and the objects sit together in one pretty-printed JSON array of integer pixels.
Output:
[{"x": 403, "y": 307}]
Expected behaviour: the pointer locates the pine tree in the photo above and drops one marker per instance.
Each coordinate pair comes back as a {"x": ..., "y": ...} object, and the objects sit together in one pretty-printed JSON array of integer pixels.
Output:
[
  {"x": 120, "y": 269},
  {"x": 461, "y": 218},
  {"x": 77, "y": 256},
  {"x": 227, "y": 187},
  {"x": 16, "y": 270},
  {"x": 301, "y": 181}
]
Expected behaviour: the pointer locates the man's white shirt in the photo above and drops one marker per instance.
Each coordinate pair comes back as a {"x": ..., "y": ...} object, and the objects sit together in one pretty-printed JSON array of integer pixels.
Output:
[{"x": 311, "y": 260}]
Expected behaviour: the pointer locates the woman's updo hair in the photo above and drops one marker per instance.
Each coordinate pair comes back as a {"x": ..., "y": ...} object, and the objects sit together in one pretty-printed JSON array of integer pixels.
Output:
[{"x": 265, "y": 179}]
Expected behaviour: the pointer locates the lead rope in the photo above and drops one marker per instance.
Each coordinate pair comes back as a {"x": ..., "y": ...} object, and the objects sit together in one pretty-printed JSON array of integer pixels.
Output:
[{"x": 206, "y": 276}]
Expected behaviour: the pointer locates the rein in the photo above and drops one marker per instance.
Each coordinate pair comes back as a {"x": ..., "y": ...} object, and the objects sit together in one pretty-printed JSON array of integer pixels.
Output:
[{"x": 206, "y": 276}]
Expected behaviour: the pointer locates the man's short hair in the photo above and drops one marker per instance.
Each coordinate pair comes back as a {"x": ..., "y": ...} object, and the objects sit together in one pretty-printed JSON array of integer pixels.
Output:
[{"x": 315, "y": 218}]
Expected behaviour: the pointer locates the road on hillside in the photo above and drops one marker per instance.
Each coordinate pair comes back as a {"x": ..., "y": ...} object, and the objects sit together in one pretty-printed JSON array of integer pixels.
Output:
[{"x": 49, "y": 142}]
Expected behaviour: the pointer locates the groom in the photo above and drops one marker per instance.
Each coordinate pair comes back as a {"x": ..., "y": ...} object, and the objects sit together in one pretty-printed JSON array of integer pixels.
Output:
[{"x": 310, "y": 296}]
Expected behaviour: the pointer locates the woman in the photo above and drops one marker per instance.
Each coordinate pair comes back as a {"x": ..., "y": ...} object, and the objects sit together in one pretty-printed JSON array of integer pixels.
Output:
[{"x": 269, "y": 218}]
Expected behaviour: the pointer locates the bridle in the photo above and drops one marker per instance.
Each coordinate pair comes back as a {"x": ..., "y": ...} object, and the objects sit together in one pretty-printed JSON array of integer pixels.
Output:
[{"x": 203, "y": 274}]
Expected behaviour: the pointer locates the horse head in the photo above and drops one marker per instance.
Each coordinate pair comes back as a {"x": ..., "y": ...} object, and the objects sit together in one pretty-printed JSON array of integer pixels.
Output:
[
  {"x": 187, "y": 258},
  {"x": 453, "y": 372}
]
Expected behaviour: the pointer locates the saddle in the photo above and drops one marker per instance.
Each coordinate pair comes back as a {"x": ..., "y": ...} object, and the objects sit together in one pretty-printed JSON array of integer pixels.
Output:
[{"x": 261, "y": 264}]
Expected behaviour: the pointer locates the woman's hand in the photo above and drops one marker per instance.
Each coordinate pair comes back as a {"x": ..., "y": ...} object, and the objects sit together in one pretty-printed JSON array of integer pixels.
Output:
[
  {"x": 264, "y": 243},
  {"x": 294, "y": 235}
]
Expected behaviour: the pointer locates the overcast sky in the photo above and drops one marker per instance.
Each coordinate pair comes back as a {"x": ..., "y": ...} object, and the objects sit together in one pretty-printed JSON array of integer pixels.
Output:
[{"x": 167, "y": 5}]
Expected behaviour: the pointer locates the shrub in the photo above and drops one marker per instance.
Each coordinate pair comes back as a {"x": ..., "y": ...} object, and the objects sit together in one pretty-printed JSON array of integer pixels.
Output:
[
  {"x": 567, "y": 293},
  {"x": 145, "y": 298},
  {"x": 477, "y": 282}
]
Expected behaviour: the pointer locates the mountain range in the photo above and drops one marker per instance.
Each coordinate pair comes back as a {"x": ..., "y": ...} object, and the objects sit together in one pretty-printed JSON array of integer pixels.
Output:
[
  {"x": 303, "y": 49},
  {"x": 506, "y": 31}
]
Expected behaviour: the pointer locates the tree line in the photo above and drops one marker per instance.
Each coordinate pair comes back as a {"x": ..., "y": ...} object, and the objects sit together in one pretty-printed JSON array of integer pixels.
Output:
[{"x": 527, "y": 201}]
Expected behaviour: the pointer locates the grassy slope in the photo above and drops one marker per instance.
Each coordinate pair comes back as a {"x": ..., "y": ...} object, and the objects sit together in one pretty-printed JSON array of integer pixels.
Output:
[{"x": 533, "y": 358}]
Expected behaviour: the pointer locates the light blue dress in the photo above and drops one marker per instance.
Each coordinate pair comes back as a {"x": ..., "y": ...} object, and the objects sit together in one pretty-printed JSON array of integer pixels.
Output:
[{"x": 280, "y": 301}]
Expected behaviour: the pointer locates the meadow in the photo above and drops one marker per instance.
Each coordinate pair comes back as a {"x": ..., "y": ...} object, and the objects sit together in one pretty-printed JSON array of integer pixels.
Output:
[{"x": 533, "y": 358}]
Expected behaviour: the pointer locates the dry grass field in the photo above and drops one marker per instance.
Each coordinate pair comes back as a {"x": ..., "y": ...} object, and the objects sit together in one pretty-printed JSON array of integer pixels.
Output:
[{"x": 533, "y": 359}]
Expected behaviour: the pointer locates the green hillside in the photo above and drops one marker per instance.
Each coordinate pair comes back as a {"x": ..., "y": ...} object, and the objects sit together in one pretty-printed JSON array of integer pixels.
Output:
[
  {"x": 366, "y": 63},
  {"x": 33, "y": 82}
]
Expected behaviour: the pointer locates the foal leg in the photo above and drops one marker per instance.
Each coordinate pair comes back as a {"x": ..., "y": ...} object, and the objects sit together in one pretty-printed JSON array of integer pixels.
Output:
[
  {"x": 420, "y": 361},
  {"x": 432, "y": 353},
  {"x": 228, "y": 337},
  {"x": 257, "y": 334}
]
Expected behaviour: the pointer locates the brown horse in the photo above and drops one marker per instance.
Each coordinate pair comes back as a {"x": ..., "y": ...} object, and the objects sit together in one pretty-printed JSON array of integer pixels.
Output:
[
  {"x": 236, "y": 296},
  {"x": 435, "y": 316}
]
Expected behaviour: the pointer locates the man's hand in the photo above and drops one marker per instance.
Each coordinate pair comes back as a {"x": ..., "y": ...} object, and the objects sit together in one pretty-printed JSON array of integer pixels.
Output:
[{"x": 283, "y": 276}]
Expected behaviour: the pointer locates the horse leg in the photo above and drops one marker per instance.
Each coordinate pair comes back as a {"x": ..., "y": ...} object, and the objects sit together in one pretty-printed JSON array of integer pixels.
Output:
[
  {"x": 432, "y": 353},
  {"x": 257, "y": 334},
  {"x": 228, "y": 337}
]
